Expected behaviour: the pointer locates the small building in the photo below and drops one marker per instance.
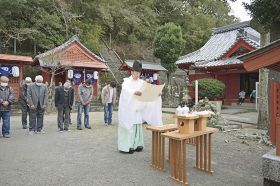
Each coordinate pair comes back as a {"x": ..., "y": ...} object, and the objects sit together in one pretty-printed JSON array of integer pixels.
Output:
[
  {"x": 12, "y": 67},
  {"x": 71, "y": 60},
  {"x": 150, "y": 71},
  {"x": 218, "y": 59}
]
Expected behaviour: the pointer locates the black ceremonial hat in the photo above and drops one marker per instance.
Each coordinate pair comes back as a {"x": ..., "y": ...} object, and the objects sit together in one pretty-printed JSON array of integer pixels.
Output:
[{"x": 137, "y": 66}]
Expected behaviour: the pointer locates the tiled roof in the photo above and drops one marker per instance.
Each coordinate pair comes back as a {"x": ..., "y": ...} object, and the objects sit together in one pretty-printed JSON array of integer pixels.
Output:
[
  {"x": 15, "y": 58},
  {"x": 219, "y": 62},
  {"x": 66, "y": 44},
  {"x": 221, "y": 41},
  {"x": 231, "y": 27},
  {"x": 146, "y": 65}
]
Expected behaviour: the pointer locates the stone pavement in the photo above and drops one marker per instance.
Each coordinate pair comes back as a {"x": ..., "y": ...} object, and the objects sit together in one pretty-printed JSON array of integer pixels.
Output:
[{"x": 90, "y": 157}]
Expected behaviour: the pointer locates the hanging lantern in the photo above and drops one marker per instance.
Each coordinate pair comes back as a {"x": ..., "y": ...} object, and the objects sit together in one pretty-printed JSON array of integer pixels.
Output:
[
  {"x": 15, "y": 71},
  {"x": 95, "y": 75},
  {"x": 155, "y": 76},
  {"x": 70, "y": 74}
]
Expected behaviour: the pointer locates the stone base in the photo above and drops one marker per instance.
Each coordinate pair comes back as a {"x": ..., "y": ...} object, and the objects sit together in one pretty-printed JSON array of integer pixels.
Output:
[{"x": 271, "y": 168}]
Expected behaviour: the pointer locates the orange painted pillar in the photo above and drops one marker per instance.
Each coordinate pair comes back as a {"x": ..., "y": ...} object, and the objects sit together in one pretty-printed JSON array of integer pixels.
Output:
[{"x": 274, "y": 129}]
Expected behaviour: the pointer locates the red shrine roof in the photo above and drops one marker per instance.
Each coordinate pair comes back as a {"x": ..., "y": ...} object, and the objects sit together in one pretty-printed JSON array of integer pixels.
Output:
[
  {"x": 7, "y": 58},
  {"x": 265, "y": 57},
  {"x": 71, "y": 53},
  {"x": 222, "y": 47}
]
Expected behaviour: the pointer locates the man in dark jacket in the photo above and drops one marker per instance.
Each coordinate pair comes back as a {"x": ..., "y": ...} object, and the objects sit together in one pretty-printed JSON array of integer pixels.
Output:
[
  {"x": 6, "y": 99},
  {"x": 64, "y": 98},
  {"x": 23, "y": 102}
]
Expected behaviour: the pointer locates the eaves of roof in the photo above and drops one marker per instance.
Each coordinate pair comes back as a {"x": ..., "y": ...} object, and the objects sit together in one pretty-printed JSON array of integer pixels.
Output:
[{"x": 65, "y": 45}]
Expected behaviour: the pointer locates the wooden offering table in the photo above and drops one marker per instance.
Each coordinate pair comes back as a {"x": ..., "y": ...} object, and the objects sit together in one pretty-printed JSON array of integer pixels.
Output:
[
  {"x": 178, "y": 150},
  {"x": 158, "y": 144}
]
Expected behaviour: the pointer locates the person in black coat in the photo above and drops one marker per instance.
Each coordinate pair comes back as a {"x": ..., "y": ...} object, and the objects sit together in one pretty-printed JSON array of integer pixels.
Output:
[{"x": 64, "y": 98}]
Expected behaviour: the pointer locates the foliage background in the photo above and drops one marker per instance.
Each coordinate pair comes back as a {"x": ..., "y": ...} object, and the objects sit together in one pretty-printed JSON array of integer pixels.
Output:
[{"x": 130, "y": 25}]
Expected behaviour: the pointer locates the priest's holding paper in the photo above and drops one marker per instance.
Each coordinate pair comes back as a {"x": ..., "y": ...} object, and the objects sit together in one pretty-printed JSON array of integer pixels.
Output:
[{"x": 139, "y": 102}]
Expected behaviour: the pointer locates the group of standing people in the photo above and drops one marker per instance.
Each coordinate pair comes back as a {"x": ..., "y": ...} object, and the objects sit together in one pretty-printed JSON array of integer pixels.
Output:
[
  {"x": 132, "y": 113},
  {"x": 34, "y": 100}
]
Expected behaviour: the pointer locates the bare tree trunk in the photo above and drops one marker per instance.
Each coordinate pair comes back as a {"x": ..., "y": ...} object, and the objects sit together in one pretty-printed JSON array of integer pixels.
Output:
[{"x": 51, "y": 92}]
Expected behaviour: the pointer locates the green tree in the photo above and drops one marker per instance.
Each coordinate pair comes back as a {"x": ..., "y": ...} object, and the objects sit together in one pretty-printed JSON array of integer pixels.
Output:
[
  {"x": 168, "y": 45},
  {"x": 267, "y": 13},
  {"x": 47, "y": 23}
]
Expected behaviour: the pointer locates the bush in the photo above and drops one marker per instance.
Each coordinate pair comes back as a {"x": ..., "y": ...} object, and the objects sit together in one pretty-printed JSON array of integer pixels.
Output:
[{"x": 210, "y": 88}]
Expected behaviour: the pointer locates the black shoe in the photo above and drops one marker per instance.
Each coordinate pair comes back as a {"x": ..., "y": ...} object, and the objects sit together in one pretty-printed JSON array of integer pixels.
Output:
[
  {"x": 139, "y": 149},
  {"x": 79, "y": 128},
  {"x": 131, "y": 151},
  {"x": 60, "y": 130},
  {"x": 24, "y": 127},
  {"x": 89, "y": 127}
]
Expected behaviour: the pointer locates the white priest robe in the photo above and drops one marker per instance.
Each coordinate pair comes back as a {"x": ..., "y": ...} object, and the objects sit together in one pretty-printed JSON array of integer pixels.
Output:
[{"x": 132, "y": 113}]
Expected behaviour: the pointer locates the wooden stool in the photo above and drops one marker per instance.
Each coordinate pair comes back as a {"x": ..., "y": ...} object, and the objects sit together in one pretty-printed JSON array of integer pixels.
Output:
[{"x": 158, "y": 145}]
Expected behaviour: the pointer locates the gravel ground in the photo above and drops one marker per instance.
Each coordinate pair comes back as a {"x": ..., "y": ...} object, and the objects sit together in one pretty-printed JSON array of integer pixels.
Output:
[{"x": 90, "y": 157}]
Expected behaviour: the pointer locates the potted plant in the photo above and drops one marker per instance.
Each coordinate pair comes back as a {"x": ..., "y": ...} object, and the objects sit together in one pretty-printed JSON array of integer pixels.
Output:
[{"x": 212, "y": 89}]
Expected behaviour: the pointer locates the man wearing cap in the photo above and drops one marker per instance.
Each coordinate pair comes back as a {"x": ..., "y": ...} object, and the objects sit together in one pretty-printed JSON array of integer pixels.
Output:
[
  {"x": 130, "y": 115},
  {"x": 64, "y": 99},
  {"x": 23, "y": 102},
  {"x": 37, "y": 99},
  {"x": 6, "y": 99}
]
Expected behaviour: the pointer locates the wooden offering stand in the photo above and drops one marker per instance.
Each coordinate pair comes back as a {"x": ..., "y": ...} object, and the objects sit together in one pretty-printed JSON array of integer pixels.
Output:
[
  {"x": 186, "y": 123},
  {"x": 201, "y": 122}
]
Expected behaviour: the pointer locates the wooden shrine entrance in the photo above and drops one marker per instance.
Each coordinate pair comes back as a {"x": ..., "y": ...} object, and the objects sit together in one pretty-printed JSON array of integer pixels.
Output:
[{"x": 275, "y": 115}]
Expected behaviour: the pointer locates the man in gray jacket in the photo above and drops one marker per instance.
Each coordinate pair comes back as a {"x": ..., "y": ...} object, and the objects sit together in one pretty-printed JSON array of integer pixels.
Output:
[
  {"x": 37, "y": 98},
  {"x": 85, "y": 94},
  {"x": 108, "y": 97}
]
